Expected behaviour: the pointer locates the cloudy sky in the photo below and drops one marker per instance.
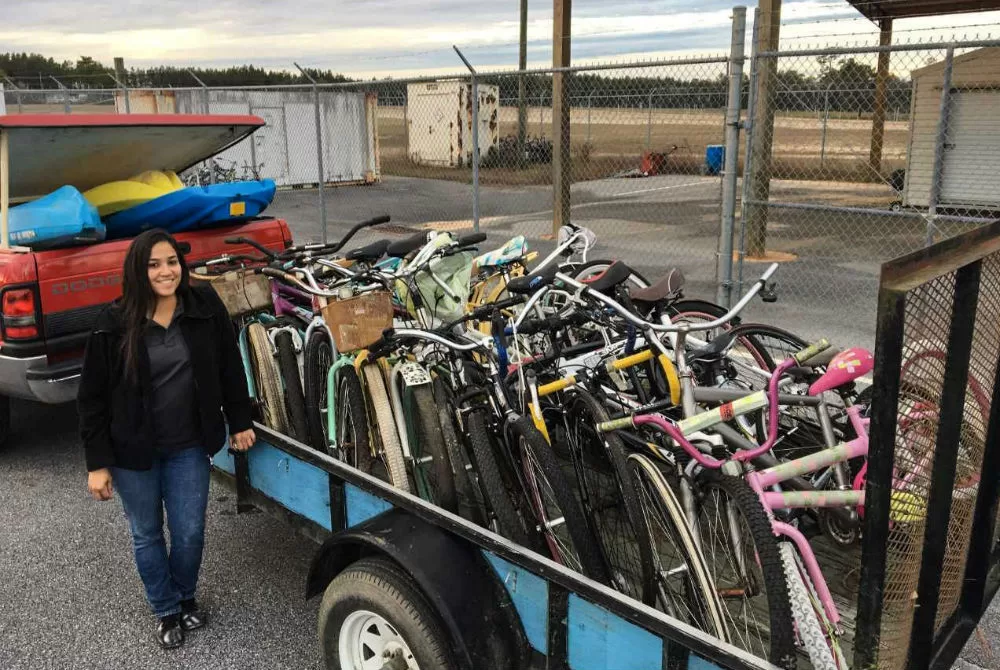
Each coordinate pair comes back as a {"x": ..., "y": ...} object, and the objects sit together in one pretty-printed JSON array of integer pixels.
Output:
[{"x": 398, "y": 37}]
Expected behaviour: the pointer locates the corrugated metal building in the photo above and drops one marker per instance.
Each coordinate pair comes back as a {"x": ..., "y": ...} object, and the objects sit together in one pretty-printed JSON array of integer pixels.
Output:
[
  {"x": 970, "y": 169},
  {"x": 285, "y": 149},
  {"x": 439, "y": 122}
]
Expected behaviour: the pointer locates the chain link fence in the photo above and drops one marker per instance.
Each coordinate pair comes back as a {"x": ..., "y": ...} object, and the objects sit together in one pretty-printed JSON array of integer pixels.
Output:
[
  {"x": 855, "y": 156},
  {"x": 872, "y": 153}
]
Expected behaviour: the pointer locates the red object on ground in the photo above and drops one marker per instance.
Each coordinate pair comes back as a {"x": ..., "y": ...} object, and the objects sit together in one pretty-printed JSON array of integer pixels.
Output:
[{"x": 653, "y": 163}]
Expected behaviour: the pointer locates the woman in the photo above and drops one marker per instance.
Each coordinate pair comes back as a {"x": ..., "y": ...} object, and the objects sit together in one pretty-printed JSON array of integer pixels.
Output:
[{"x": 162, "y": 378}]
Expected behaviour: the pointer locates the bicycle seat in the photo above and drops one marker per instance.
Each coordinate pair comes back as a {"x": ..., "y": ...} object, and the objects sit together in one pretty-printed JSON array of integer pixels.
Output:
[
  {"x": 667, "y": 288},
  {"x": 844, "y": 368},
  {"x": 513, "y": 250},
  {"x": 368, "y": 253},
  {"x": 615, "y": 274},
  {"x": 714, "y": 349},
  {"x": 402, "y": 248},
  {"x": 528, "y": 284}
]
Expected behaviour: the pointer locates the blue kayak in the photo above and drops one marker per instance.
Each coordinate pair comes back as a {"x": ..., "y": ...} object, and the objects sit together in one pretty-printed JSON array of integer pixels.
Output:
[
  {"x": 194, "y": 207},
  {"x": 62, "y": 218}
]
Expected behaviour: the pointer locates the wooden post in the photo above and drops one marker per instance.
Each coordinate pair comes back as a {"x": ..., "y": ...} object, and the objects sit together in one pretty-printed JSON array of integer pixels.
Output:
[
  {"x": 561, "y": 167},
  {"x": 522, "y": 65},
  {"x": 763, "y": 129},
  {"x": 879, "y": 103}
]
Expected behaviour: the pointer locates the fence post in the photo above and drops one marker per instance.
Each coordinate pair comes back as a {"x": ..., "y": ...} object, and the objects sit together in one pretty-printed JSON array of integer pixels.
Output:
[
  {"x": 939, "y": 147},
  {"x": 120, "y": 80},
  {"x": 66, "y": 104},
  {"x": 319, "y": 151},
  {"x": 474, "y": 86},
  {"x": 590, "y": 106},
  {"x": 748, "y": 126},
  {"x": 826, "y": 119},
  {"x": 724, "y": 264}
]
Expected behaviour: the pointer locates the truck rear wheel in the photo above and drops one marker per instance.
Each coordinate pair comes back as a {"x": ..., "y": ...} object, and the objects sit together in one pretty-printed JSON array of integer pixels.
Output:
[{"x": 373, "y": 616}]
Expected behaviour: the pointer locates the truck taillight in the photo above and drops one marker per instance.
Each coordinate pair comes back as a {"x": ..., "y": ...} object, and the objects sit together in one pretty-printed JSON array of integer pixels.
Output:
[{"x": 18, "y": 310}]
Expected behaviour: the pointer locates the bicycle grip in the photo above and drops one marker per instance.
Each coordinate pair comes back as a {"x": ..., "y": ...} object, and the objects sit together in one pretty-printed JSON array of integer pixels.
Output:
[
  {"x": 615, "y": 424},
  {"x": 557, "y": 385},
  {"x": 812, "y": 350}
]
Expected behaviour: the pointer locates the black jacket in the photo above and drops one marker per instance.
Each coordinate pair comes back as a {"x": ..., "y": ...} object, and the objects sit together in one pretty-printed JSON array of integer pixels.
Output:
[{"x": 115, "y": 419}]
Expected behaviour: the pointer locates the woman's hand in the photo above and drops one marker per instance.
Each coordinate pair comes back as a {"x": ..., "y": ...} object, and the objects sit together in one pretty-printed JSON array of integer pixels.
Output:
[
  {"x": 242, "y": 441},
  {"x": 99, "y": 484}
]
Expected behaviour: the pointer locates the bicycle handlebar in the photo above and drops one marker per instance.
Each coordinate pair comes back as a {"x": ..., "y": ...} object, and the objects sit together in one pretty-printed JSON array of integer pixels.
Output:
[{"x": 671, "y": 327}]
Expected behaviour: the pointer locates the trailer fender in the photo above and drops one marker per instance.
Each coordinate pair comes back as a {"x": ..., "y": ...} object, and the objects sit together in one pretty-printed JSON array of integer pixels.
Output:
[{"x": 465, "y": 592}]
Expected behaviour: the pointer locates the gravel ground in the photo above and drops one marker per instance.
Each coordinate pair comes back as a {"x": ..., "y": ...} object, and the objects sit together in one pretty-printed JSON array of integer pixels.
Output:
[{"x": 72, "y": 597}]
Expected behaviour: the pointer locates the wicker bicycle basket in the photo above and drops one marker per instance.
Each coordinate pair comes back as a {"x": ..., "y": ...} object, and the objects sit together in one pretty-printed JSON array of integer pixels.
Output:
[
  {"x": 358, "y": 322},
  {"x": 243, "y": 292}
]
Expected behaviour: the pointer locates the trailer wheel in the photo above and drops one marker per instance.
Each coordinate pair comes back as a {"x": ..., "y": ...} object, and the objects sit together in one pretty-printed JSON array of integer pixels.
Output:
[{"x": 373, "y": 617}]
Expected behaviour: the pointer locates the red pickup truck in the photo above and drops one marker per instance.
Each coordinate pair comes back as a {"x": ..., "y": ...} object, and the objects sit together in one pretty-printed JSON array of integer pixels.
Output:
[{"x": 49, "y": 299}]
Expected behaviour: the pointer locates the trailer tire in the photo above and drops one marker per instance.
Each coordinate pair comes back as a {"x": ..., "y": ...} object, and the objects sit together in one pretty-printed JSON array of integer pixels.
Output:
[{"x": 373, "y": 607}]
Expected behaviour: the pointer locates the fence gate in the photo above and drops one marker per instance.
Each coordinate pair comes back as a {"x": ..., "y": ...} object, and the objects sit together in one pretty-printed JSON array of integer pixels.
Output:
[{"x": 930, "y": 559}]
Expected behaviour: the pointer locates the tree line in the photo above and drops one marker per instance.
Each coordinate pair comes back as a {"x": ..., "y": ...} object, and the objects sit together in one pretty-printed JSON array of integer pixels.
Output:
[{"x": 834, "y": 84}]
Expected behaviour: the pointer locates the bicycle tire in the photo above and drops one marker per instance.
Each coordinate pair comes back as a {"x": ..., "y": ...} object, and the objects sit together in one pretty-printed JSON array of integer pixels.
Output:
[
  {"x": 807, "y": 624},
  {"x": 505, "y": 515},
  {"x": 391, "y": 451},
  {"x": 764, "y": 553},
  {"x": 317, "y": 358},
  {"x": 664, "y": 521},
  {"x": 607, "y": 452},
  {"x": 353, "y": 439},
  {"x": 553, "y": 499},
  {"x": 469, "y": 502},
  {"x": 429, "y": 443},
  {"x": 267, "y": 379},
  {"x": 295, "y": 401}
]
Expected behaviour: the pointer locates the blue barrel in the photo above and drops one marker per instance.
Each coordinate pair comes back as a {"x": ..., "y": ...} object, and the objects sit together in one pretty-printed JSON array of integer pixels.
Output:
[{"x": 715, "y": 154}]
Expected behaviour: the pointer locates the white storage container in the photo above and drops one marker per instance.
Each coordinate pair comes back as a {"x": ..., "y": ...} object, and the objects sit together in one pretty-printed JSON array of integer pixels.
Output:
[{"x": 439, "y": 122}]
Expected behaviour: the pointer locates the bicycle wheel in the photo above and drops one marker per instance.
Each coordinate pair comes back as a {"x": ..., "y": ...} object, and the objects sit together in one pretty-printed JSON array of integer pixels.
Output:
[
  {"x": 683, "y": 586},
  {"x": 505, "y": 517},
  {"x": 807, "y": 613},
  {"x": 431, "y": 467},
  {"x": 317, "y": 359},
  {"x": 609, "y": 496},
  {"x": 390, "y": 449},
  {"x": 267, "y": 379},
  {"x": 468, "y": 500},
  {"x": 288, "y": 366},
  {"x": 353, "y": 439},
  {"x": 556, "y": 510},
  {"x": 742, "y": 554}
]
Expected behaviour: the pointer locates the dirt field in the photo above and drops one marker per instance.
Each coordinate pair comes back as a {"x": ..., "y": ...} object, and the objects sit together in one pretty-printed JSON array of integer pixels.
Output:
[{"x": 609, "y": 141}]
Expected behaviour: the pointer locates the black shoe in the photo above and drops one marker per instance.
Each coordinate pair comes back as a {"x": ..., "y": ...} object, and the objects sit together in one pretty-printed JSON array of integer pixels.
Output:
[
  {"x": 169, "y": 632},
  {"x": 191, "y": 617}
]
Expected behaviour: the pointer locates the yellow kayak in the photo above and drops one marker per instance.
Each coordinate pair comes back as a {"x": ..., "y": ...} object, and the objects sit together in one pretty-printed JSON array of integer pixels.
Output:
[{"x": 117, "y": 196}]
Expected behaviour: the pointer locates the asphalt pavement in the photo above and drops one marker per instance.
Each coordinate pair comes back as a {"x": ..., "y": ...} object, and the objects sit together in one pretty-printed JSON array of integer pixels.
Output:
[{"x": 72, "y": 598}]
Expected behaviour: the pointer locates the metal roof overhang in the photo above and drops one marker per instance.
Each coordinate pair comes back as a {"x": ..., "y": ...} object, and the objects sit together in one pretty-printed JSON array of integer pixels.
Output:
[{"x": 877, "y": 10}]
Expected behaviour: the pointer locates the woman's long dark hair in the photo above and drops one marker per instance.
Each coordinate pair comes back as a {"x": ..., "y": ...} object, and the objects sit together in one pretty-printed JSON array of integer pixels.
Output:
[{"x": 138, "y": 298}]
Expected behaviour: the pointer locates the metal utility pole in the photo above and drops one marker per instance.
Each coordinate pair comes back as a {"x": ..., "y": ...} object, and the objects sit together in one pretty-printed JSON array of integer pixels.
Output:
[
  {"x": 320, "y": 172},
  {"x": 755, "y": 212},
  {"x": 731, "y": 166},
  {"x": 120, "y": 80},
  {"x": 522, "y": 65},
  {"x": 561, "y": 167}
]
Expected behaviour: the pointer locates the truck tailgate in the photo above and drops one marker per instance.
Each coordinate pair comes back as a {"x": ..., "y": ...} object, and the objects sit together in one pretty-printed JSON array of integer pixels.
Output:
[{"x": 75, "y": 284}]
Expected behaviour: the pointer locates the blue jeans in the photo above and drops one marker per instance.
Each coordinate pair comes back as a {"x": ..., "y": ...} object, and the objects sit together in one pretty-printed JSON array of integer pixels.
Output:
[{"x": 179, "y": 482}]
